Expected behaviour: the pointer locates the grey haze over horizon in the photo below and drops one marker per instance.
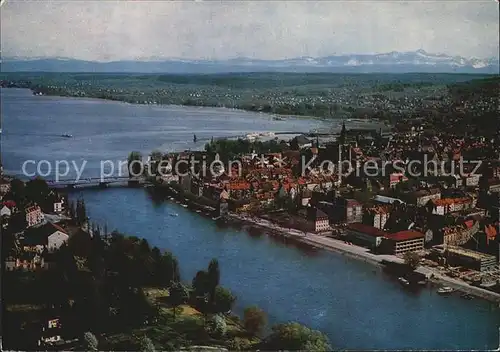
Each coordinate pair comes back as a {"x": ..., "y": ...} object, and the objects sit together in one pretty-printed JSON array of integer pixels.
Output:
[{"x": 274, "y": 30}]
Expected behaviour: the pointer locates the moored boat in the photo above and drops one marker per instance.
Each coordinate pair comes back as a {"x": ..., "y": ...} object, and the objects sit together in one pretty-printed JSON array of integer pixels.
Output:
[
  {"x": 445, "y": 290},
  {"x": 403, "y": 281}
]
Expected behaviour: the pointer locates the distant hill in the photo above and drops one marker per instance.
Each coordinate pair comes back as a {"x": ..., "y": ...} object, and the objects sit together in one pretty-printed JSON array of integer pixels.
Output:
[{"x": 393, "y": 62}]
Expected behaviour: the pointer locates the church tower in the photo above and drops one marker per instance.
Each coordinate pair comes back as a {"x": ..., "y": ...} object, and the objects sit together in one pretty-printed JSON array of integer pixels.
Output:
[{"x": 342, "y": 133}]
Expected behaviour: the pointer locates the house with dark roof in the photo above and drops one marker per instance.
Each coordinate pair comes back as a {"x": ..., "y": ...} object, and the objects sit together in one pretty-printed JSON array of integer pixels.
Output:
[
  {"x": 365, "y": 235},
  {"x": 49, "y": 235},
  {"x": 302, "y": 141}
]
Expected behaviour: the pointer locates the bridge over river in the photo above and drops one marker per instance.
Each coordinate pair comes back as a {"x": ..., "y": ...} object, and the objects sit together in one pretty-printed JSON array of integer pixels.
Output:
[{"x": 97, "y": 182}]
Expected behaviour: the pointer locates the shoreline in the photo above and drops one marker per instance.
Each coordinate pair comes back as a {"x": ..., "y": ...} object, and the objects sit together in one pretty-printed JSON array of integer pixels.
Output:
[
  {"x": 363, "y": 254},
  {"x": 337, "y": 246},
  {"x": 271, "y": 115}
]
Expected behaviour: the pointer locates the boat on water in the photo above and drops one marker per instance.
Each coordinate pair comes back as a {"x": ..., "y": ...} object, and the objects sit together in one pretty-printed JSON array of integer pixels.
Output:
[
  {"x": 184, "y": 205},
  {"x": 66, "y": 135},
  {"x": 445, "y": 290},
  {"x": 403, "y": 281},
  {"x": 467, "y": 296},
  {"x": 174, "y": 214}
]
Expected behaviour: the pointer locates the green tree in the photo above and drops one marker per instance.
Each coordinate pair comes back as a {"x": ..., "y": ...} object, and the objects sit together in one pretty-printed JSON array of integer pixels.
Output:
[
  {"x": 81, "y": 212},
  {"x": 200, "y": 284},
  {"x": 294, "y": 337},
  {"x": 178, "y": 294},
  {"x": 90, "y": 342},
  {"x": 224, "y": 300},
  {"x": 411, "y": 259},
  {"x": 146, "y": 345},
  {"x": 169, "y": 269},
  {"x": 156, "y": 155},
  {"x": 72, "y": 210},
  {"x": 38, "y": 191},
  {"x": 17, "y": 192},
  {"x": 213, "y": 278},
  {"x": 17, "y": 221},
  {"x": 254, "y": 320}
]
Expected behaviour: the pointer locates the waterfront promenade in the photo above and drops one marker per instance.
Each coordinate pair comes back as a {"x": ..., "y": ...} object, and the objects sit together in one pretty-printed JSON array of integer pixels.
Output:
[{"x": 365, "y": 255}]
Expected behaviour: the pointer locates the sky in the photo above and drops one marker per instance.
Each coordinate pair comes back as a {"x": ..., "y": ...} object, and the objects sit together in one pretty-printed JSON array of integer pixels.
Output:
[{"x": 109, "y": 30}]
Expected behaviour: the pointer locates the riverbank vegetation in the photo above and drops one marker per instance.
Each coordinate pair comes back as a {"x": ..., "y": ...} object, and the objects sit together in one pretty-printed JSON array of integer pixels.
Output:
[{"x": 326, "y": 95}]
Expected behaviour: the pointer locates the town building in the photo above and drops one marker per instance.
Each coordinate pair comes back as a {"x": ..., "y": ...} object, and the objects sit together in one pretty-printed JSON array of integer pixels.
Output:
[
  {"x": 348, "y": 210},
  {"x": 458, "y": 234},
  {"x": 365, "y": 235},
  {"x": 403, "y": 241},
  {"x": 377, "y": 216},
  {"x": 59, "y": 205},
  {"x": 302, "y": 142},
  {"x": 449, "y": 205},
  {"x": 223, "y": 207},
  {"x": 34, "y": 215},
  {"x": 5, "y": 211},
  {"x": 354, "y": 211},
  {"x": 305, "y": 197},
  {"x": 318, "y": 219},
  {"x": 395, "y": 178},
  {"x": 50, "y": 236},
  {"x": 4, "y": 186},
  {"x": 458, "y": 256},
  {"x": 422, "y": 197}
]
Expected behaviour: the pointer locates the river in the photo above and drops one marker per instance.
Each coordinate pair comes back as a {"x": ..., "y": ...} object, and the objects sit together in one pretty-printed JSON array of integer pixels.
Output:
[{"x": 354, "y": 303}]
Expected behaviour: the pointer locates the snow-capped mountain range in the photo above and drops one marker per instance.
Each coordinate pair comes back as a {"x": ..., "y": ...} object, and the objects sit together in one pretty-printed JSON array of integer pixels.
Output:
[
  {"x": 419, "y": 57},
  {"x": 412, "y": 61}
]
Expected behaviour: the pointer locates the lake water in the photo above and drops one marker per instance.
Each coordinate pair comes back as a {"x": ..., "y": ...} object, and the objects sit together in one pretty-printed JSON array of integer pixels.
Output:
[{"x": 354, "y": 303}]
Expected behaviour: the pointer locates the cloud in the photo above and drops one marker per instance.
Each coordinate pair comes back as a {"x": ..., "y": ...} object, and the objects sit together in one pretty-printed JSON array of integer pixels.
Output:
[{"x": 112, "y": 30}]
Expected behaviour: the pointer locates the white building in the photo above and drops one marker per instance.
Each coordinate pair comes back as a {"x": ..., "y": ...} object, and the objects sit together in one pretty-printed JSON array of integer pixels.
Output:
[
  {"x": 49, "y": 235},
  {"x": 59, "y": 206},
  {"x": 5, "y": 211},
  {"x": 34, "y": 215}
]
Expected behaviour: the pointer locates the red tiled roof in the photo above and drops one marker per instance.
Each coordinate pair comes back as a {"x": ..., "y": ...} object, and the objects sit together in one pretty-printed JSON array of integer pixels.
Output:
[
  {"x": 405, "y": 235},
  {"x": 9, "y": 203},
  {"x": 367, "y": 229},
  {"x": 32, "y": 208},
  {"x": 239, "y": 185}
]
